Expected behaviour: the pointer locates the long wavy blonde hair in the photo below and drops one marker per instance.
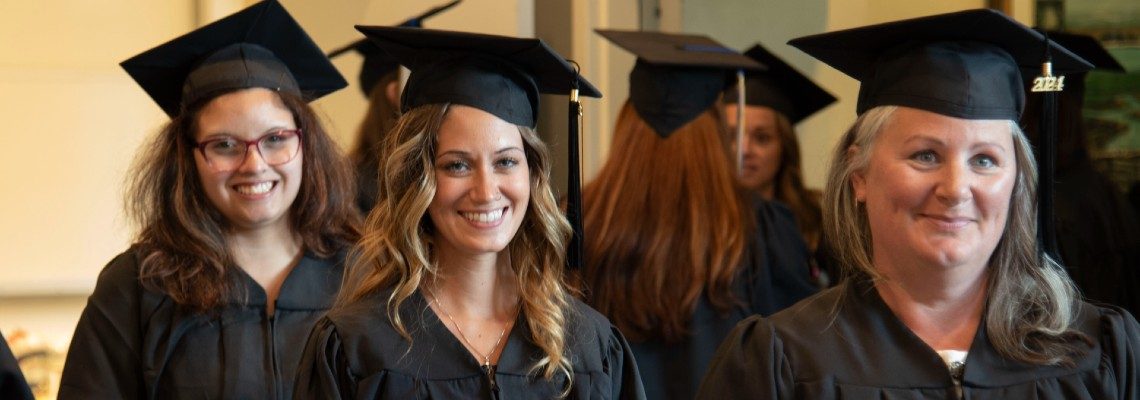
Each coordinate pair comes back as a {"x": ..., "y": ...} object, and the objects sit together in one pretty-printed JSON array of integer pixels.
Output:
[
  {"x": 396, "y": 248},
  {"x": 1031, "y": 303}
]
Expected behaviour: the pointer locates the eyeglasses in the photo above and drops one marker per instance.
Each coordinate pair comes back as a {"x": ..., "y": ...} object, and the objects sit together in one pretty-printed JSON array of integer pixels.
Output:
[{"x": 228, "y": 153}]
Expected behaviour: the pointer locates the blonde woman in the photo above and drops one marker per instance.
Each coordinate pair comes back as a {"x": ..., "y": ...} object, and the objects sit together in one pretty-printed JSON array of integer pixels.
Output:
[{"x": 456, "y": 290}]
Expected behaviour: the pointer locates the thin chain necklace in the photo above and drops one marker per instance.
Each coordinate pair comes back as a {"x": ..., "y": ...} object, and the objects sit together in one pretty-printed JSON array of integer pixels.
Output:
[{"x": 486, "y": 367}]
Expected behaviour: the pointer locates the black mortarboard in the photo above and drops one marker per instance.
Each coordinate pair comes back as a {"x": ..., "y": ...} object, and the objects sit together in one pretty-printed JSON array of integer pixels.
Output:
[
  {"x": 676, "y": 76},
  {"x": 497, "y": 74},
  {"x": 1088, "y": 48},
  {"x": 377, "y": 63},
  {"x": 260, "y": 46},
  {"x": 781, "y": 88},
  {"x": 965, "y": 64}
]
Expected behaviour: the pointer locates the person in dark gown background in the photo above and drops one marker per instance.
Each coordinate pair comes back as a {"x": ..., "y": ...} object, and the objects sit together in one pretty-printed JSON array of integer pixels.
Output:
[
  {"x": 1098, "y": 234},
  {"x": 775, "y": 100},
  {"x": 931, "y": 208},
  {"x": 243, "y": 207},
  {"x": 379, "y": 80},
  {"x": 457, "y": 289},
  {"x": 676, "y": 251},
  {"x": 12, "y": 383}
]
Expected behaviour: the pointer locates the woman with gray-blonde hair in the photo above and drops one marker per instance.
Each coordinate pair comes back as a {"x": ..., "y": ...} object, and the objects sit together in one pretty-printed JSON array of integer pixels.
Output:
[{"x": 931, "y": 208}]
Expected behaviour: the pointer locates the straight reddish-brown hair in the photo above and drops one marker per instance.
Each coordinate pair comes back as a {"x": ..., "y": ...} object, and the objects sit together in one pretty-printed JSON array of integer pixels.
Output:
[{"x": 664, "y": 222}]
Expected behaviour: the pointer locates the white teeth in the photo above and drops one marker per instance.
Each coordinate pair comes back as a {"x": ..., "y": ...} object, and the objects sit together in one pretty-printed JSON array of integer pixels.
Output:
[
  {"x": 484, "y": 217},
  {"x": 260, "y": 188}
]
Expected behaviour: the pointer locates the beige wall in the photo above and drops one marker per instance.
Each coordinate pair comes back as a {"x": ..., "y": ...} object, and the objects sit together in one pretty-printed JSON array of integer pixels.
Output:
[
  {"x": 607, "y": 67},
  {"x": 72, "y": 119}
]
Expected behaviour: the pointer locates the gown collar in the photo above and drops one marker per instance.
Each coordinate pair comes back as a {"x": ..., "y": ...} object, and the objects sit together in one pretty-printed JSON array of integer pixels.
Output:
[
  {"x": 312, "y": 284},
  {"x": 984, "y": 366}
]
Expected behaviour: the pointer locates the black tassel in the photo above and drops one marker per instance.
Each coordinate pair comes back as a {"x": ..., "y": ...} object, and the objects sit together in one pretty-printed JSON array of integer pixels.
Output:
[
  {"x": 1048, "y": 86},
  {"x": 574, "y": 252}
]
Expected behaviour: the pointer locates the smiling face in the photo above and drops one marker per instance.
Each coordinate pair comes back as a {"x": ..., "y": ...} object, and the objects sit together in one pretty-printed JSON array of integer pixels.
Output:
[
  {"x": 761, "y": 147},
  {"x": 255, "y": 195},
  {"x": 482, "y": 182},
  {"x": 937, "y": 190}
]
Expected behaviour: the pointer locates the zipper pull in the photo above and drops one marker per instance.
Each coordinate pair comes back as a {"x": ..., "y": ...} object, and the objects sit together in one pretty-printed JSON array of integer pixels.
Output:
[{"x": 490, "y": 371}]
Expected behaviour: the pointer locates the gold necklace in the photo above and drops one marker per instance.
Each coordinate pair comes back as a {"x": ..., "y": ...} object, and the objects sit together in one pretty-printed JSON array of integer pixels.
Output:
[{"x": 487, "y": 367}]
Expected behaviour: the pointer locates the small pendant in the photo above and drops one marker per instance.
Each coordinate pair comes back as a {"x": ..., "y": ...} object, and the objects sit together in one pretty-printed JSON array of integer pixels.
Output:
[{"x": 1047, "y": 82}]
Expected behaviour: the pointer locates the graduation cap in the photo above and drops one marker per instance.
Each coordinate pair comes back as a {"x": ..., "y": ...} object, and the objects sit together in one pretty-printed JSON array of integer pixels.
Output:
[
  {"x": 1089, "y": 48},
  {"x": 497, "y": 74},
  {"x": 377, "y": 63},
  {"x": 260, "y": 46},
  {"x": 782, "y": 88},
  {"x": 965, "y": 64},
  {"x": 676, "y": 76}
]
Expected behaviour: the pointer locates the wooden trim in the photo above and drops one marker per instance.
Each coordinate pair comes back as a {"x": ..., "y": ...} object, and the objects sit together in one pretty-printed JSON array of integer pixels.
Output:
[{"x": 1005, "y": 6}]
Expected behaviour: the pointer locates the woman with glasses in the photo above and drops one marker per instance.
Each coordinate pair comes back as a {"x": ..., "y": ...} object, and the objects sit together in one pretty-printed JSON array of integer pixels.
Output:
[{"x": 244, "y": 208}]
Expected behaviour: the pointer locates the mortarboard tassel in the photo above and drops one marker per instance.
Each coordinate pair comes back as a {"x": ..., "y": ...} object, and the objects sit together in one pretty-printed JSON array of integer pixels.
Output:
[
  {"x": 1048, "y": 86},
  {"x": 575, "y": 255},
  {"x": 740, "y": 104}
]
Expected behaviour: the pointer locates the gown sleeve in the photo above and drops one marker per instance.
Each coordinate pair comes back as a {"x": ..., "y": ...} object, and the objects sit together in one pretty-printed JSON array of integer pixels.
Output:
[
  {"x": 623, "y": 369},
  {"x": 12, "y": 383},
  {"x": 103, "y": 361},
  {"x": 323, "y": 372},
  {"x": 750, "y": 364},
  {"x": 1122, "y": 344}
]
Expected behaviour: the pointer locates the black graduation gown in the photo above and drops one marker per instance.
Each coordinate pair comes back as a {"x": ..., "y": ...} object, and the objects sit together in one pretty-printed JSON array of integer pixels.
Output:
[
  {"x": 1098, "y": 237},
  {"x": 367, "y": 187},
  {"x": 12, "y": 383},
  {"x": 865, "y": 352},
  {"x": 356, "y": 353},
  {"x": 775, "y": 275},
  {"x": 133, "y": 343}
]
